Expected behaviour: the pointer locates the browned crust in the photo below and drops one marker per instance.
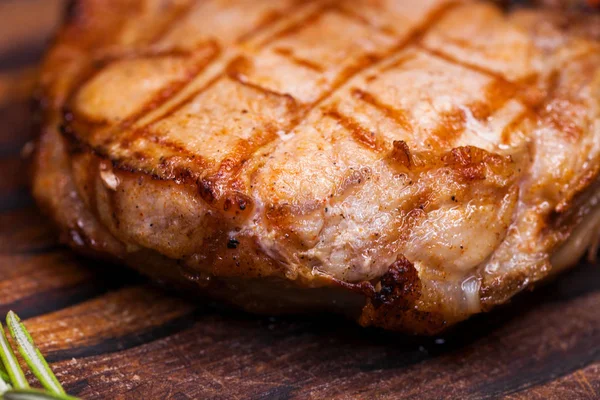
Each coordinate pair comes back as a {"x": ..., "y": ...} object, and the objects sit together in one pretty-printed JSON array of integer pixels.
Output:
[
  {"x": 388, "y": 302},
  {"x": 216, "y": 187}
]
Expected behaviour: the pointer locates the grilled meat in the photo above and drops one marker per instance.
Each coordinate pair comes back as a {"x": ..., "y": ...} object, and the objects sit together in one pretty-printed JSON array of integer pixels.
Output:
[{"x": 405, "y": 163}]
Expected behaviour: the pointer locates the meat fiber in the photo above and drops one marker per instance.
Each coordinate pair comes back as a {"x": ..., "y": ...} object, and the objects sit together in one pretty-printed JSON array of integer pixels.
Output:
[{"x": 405, "y": 163}]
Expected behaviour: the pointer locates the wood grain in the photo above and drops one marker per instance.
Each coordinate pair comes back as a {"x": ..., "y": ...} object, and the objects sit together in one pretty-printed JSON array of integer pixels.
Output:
[{"x": 110, "y": 334}]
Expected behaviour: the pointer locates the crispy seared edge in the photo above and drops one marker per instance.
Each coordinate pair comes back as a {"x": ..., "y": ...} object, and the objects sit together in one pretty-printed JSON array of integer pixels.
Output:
[{"x": 241, "y": 274}]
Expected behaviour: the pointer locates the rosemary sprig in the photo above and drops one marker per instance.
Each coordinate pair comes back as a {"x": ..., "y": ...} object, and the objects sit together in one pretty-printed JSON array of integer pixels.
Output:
[
  {"x": 17, "y": 377},
  {"x": 34, "y": 359},
  {"x": 11, "y": 372},
  {"x": 34, "y": 394}
]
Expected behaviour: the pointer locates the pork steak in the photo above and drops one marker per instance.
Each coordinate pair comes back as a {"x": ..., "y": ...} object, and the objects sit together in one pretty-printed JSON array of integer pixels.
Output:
[{"x": 405, "y": 163}]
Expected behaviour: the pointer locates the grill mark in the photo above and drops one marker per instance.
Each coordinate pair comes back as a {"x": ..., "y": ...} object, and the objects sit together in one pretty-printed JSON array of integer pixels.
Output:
[
  {"x": 157, "y": 102},
  {"x": 163, "y": 95},
  {"x": 452, "y": 123},
  {"x": 178, "y": 148},
  {"x": 262, "y": 26},
  {"x": 175, "y": 87},
  {"x": 360, "y": 65},
  {"x": 265, "y": 24},
  {"x": 464, "y": 44},
  {"x": 241, "y": 152},
  {"x": 267, "y": 20},
  {"x": 359, "y": 133},
  {"x": 295, "y": 27},
  {"x": 497, "y": 93},
  {"x": 446, "y": 57},
  {"x": 395, "y": 114},
  {"x": 371, "y": 60},
  {"x": 349, "y": 13},
  {"x": 92, "y": 70},
  {"x": 168, "y": 172},
  {"x": 165, "y": 169},
  {"x": 462, "y": 63},
  {"x": 271, "y": 19},
  {"x": 173, "y": 21},
  {"x": 101, "y": 62},
  {"x": 142, "y": 131},
  {"x": 235, "y": 71},
  {"x": 129, "y": 54},
  {"x": 179, "y": 86},
  {"x": 399, "y": 62},
  {"x": 176, "y": 107},
  {"x": 289, "y": 54}
]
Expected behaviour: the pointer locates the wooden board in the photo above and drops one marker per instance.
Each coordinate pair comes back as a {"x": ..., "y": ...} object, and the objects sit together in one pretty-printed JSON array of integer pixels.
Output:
[{"x": 110, "y": 334}]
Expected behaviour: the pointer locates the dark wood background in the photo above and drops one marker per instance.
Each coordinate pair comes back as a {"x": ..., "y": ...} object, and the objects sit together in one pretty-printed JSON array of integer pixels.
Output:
[{"x": 110, "y": 334}]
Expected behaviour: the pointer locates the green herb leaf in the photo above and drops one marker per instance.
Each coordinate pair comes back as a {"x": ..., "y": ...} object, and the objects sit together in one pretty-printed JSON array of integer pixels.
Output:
[
  {"x": 34, "y": 394},
  {"x": 32, "y": 355},
  {"x": 17, "y": 377}
]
